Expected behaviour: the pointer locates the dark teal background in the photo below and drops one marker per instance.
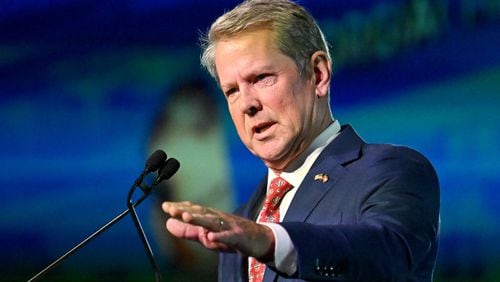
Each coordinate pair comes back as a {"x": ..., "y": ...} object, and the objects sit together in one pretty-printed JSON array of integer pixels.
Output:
[{"x": 82, "y": 82}]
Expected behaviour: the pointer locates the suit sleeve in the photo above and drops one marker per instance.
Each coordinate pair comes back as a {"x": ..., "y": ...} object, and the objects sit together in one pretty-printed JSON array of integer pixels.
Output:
[{"x": 394, "y": 234}]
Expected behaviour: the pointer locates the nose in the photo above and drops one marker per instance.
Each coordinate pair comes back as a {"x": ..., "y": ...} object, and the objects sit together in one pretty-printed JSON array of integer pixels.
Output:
[{"x": 250, "y": 102}]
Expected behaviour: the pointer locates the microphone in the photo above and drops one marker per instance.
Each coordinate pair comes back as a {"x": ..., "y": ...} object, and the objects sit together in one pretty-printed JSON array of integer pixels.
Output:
[
  {"x": 169, "y": 168},
  {"x": 154, "y": 162}
]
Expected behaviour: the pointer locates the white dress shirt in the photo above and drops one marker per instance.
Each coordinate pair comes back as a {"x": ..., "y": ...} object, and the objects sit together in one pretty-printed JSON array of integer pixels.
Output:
[{"x": 285, "y": 256}]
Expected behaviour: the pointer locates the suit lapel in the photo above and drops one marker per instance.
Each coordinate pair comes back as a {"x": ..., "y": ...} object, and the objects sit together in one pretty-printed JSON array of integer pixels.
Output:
[
  {"x": 343, "y": 149},
  {"x": 310, "y": 192}
]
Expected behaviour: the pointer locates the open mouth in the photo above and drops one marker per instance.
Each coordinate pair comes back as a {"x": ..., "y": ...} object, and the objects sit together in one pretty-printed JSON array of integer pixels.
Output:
[{"x": 262, "y": 127}]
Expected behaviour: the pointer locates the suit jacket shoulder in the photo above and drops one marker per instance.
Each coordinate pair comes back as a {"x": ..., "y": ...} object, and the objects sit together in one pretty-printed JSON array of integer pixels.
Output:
[{"x": 375, "y": 219}]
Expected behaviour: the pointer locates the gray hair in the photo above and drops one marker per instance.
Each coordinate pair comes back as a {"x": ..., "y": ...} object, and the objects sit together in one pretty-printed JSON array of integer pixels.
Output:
[{"x": 296, "y": 32}]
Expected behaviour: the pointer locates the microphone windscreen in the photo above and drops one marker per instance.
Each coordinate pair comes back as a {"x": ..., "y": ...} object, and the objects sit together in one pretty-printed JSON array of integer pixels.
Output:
[
  {"x": 155, "y": 161},
  {"x": 170, "y": 168}
]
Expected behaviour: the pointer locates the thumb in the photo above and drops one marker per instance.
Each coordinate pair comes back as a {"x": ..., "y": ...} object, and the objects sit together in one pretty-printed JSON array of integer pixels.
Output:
[{"x": 183, "y": 230}]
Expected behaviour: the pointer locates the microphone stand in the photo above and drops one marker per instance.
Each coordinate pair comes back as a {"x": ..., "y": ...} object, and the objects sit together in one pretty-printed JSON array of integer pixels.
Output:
[
  {"x": 105, "y": 227},
  {"x": 140, "y": 230}
]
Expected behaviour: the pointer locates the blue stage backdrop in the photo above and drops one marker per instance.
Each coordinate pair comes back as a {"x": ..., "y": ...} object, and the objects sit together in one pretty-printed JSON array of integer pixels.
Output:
[{"x": 89, "y": 88}]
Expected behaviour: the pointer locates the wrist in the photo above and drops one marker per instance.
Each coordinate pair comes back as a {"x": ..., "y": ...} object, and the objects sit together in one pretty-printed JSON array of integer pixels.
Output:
[{"x": 268, "y": 255}]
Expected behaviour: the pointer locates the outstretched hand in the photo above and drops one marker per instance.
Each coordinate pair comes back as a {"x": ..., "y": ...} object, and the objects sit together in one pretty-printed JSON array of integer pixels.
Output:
[{"x": 217, "y": 230}]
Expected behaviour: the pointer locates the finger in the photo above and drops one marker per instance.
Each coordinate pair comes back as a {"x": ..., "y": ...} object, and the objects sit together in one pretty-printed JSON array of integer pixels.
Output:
[
  {"x": 173, "y": 209},
  {"x": 195, "y": 233},
  {"x": 208, "y": 218},
  {"x": 180, "y": 210},
  {"x": 211, "y": 222},
  {"x": 177, "y": 208},
  {"x": 214, "y": 245},
  {"x": 208, "y": 221},
  {"x": 183, "y": 230},
  {"x": 218, "y": 246},
  {"x": 180, "y": 205}
]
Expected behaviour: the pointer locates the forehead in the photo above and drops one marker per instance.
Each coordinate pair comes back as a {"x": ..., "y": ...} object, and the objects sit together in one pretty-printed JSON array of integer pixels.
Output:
[
  {"x": 245, "y": 51},
  {"x": 251, "y": 41}
]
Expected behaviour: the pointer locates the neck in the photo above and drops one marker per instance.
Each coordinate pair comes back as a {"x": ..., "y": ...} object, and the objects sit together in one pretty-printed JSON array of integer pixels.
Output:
[{"x": 296, "y": 160}]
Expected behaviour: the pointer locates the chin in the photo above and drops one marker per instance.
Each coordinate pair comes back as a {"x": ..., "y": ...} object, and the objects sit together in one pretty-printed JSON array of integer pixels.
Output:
[
  {"x": 271, "y": 157},
  {"x": 268, "y": 151}
]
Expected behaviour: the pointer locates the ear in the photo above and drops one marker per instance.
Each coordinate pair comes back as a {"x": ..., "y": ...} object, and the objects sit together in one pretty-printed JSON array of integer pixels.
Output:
[{"x": 321, "y": 73}]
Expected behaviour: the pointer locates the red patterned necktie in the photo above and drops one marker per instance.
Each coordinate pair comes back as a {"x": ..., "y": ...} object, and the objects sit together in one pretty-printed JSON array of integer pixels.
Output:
[{"x": 270, "y": 213}]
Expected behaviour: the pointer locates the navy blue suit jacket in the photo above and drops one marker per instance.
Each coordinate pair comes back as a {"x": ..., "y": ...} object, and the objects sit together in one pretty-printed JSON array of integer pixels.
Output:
[{"x": 375, "y": 219}]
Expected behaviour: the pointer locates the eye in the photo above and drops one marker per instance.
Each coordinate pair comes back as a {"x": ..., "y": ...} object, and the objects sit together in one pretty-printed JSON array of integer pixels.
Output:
[
  {"x": 265, "y": 79},
  {"x": 230, "y": 91},
  {"x": 261, "y": 77}
]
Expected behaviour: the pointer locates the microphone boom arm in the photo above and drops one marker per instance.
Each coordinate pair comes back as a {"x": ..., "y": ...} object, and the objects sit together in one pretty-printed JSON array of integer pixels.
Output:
[{"x": 87, "y": 240}]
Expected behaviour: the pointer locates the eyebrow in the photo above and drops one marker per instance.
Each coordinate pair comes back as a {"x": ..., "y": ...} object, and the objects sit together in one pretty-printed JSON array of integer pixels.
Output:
[{"x": 254, "y": 71}]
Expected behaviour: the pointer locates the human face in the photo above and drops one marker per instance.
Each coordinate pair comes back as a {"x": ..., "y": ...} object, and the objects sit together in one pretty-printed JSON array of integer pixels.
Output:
[{"x": 272, "y": 106}]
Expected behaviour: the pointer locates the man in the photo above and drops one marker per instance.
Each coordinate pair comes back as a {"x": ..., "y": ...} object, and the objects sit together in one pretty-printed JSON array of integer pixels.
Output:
[{"x": 353, "y": 211}]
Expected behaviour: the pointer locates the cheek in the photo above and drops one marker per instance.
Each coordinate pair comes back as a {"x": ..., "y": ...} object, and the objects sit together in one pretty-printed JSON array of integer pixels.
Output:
[
  {"x": 295, "y": 117},
  {"x": 292, "y": 110},
  {"x": 239, "y": 122}
]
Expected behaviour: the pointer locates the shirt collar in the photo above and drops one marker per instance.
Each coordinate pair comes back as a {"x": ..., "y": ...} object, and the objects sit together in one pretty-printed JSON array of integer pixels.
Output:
[{"x": 301, "y": 166}]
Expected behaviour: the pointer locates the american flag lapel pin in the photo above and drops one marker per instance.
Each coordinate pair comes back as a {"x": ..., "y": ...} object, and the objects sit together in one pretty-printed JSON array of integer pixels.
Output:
[{"x": 321, "y": 177}]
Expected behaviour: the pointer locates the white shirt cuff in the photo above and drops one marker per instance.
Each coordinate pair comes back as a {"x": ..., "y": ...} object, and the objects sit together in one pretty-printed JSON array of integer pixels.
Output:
[{"x": 285, "y": 256}]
